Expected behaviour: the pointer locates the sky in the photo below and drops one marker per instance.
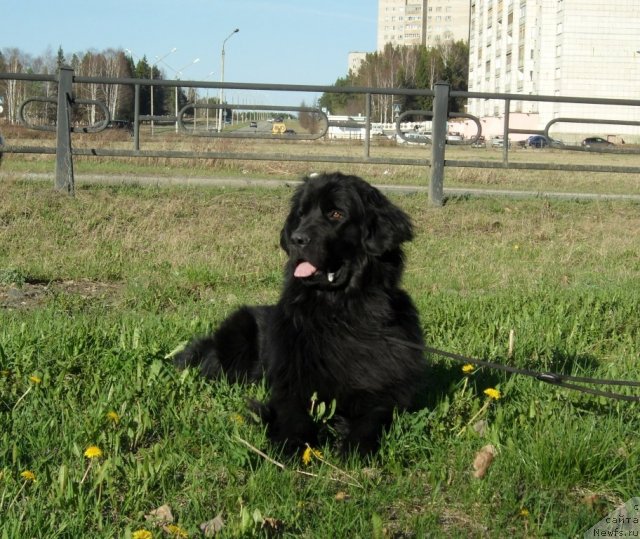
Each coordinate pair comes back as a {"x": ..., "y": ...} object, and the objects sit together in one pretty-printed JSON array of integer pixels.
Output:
[{"x": 280, "y": 41}]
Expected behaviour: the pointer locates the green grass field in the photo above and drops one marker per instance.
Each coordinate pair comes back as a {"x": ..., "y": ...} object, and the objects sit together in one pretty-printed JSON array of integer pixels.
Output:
[
  {"x": 96, "y": 291},
  {"x": 548, "y": 181}
]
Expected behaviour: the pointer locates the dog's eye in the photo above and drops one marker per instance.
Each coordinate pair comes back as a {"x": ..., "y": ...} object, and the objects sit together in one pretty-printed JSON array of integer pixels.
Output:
[{"x": 335, "y": 215}]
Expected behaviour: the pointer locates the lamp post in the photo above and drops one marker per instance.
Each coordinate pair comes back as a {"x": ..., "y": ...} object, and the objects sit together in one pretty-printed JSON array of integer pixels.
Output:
[
  {"x": 178, "y": 72},
  {"x": 153, "y": 65},
  {"x": 210, "y": 77},
  {"x": 158, "y": 60},
  {"x": 221, "y": 111}
]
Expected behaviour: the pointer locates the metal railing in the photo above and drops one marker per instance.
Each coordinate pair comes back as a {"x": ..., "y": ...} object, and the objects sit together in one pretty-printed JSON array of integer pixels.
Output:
[{"x": 435, "y": 162}]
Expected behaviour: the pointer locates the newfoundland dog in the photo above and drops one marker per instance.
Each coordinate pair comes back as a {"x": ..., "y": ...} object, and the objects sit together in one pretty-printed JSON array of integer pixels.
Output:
[{"x": 343, "y": 332}]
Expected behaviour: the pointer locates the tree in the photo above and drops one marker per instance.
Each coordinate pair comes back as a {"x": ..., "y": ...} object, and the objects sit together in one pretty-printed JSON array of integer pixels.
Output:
[
  {"x": 14, "y": 90},
  {"x": 309, "y": 120},
  {"x": 116, "y": 96},
  {"x": 403, "y": 67},
  {"x": 143, "y": 70},
  {"x": 60, "y": 61},
  {"x": 336, "y": 103},
  {"x": 455, "y": 69},
  {"x": 91, "y": 65}
]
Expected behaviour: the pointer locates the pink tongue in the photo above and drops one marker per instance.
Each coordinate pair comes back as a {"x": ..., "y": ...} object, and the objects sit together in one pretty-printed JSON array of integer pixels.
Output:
[{"x": 304, "y": 269}]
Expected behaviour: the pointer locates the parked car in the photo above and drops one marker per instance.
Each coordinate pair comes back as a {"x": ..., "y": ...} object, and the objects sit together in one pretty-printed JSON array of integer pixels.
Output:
[
  {"x": 416, "y": 138},
  {"x": 253, "y": 124},
  {"x": 537, "y": 141},
  {"x": 597, "y": 142},
  {"x": 480, "y": 142},
  {"x": 498, "y": 142}
]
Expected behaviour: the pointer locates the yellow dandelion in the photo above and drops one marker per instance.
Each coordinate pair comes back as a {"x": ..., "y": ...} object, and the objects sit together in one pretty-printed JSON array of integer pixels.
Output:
[
  {"x": 524, "y": 512},
  {"x": 142, "y": 534},
  {"x": 492, "y": 393},
  {"x": 176, "y": 531},
  {"x": 308, "y": 455},
  {"x": 28, "y": 475},
  {"x": 237, "y": 419},
  {"x": 467, "y": 368},
  {"x": 113, "y": 417},
  {"x": 93, "y": 452},
  {"x": 35, "y": 379}
]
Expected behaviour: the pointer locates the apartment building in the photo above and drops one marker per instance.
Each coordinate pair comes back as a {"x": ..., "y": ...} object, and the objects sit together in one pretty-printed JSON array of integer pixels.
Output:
[
  {"x": 583, "y": 48},
  {"x": 355, "y": 60},
  {"x": 422, "y": 22}
]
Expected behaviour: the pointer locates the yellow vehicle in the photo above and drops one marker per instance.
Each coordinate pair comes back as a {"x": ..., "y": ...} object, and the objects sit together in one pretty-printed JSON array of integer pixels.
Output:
[{"x": 278, "y": 128}]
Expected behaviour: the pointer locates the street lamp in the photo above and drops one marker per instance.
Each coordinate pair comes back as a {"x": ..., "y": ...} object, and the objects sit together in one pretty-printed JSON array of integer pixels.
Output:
[
  {"x": 210, "y": 77},
  {"x": 158, "y": 60},
  {"x": 221, "y": 111},
  {"x": 178, "y": 72}
]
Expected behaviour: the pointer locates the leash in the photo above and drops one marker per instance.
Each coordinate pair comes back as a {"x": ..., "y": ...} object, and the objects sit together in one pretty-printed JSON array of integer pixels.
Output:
[{"x": 561, "y": 380}]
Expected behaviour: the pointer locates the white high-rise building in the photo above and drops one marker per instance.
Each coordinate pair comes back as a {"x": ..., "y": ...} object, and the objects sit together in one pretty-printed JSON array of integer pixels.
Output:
[
  {"x": 355, "y": 61},
  {"x": 422, "y": 22},
  {"x": 578, "y": 48}
]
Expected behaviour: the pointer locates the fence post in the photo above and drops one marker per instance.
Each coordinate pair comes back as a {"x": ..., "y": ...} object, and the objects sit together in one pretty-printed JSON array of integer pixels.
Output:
[
  {"x": 367, "y": 136},
  {"x": 505, "y": 133},
  {"x": 136, "y": 118},
  {"x": 438, "y": 141},
  {"x": 64, "y": 159}
]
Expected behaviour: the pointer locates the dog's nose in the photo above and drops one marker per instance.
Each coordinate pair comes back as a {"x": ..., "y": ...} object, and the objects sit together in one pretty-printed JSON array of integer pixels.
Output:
[{"x": 300, "y": 238}]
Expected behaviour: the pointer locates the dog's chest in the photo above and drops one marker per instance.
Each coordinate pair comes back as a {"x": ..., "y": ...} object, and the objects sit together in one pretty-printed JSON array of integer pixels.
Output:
[{"x": 327, "y": 355}]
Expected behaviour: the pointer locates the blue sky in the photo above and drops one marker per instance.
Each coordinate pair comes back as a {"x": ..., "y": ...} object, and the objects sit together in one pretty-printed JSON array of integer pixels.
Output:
[{"x": 280, "y": 41}]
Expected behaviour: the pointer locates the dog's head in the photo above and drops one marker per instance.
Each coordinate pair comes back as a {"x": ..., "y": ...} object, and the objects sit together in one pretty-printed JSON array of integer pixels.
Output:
[{"x": 338, "y": 227}]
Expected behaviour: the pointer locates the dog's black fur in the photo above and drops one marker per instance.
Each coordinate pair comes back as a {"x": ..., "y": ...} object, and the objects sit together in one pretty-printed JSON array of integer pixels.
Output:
[{"x": 342, "y": 329}]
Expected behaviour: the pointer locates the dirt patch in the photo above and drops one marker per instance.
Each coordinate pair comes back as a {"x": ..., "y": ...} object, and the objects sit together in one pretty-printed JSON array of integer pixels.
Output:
[{"x": 32, "y": 295}]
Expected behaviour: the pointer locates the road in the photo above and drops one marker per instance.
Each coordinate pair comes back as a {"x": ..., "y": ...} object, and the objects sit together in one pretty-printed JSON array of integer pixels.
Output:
[{"x": 264, "y": 128}]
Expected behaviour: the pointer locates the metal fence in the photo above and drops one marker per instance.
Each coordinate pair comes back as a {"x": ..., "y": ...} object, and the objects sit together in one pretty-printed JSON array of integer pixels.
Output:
[{"x": 434, "y": 160}]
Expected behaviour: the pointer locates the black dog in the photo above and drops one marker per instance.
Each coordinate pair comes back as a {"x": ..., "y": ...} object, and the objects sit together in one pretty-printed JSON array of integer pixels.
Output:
[{"x": 342, "y": 330}]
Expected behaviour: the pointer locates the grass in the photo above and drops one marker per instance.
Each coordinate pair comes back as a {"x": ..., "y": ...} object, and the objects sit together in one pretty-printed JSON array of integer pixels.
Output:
[
  {"x": 96, "y": 291},
  {"x": 498, "y": 178}
]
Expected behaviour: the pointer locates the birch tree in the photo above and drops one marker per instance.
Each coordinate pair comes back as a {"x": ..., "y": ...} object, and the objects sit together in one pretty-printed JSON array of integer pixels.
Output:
[
  {"x": 91, "y": 66},
  {"x": 15, "y": 62}
]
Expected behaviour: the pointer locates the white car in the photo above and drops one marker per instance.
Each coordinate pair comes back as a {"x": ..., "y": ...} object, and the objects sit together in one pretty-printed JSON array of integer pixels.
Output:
[{"x": 498, "y": 142}]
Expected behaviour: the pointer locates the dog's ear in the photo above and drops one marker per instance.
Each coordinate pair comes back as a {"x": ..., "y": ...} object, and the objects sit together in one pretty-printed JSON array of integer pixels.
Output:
[
  {"x": 291, "y": 222},
  {"x": 285, "y": 233},
  {"x": 387, "y": 226}
]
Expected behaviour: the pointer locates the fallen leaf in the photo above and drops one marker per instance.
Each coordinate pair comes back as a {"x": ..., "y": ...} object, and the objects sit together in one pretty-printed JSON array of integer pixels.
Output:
[
  {"x": 595, "y": 502},
  {"x": 160, "y": 516},
  {"x": 481, "y": 427},
  {"x": 342, "y": 496},
  {"x": 591, "y": 500},
  {"x": 212, "y": 527},
  {"x": 483, "y": 460}
]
